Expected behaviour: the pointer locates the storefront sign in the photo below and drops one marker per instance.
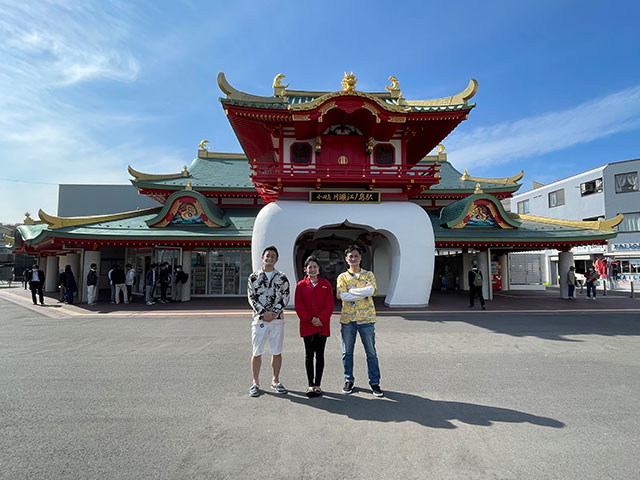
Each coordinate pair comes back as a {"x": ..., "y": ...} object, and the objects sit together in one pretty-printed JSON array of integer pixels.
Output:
[
  {"x": 626, "y": 246},
  {"x": 338, "y": 196}
]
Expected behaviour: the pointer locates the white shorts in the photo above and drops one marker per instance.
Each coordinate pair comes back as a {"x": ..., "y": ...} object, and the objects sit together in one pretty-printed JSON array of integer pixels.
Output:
[{"x": 274, "y": 332}]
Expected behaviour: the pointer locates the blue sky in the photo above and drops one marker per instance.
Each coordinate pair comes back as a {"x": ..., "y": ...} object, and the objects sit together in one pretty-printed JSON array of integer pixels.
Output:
[{"x": 87, "y": 88}]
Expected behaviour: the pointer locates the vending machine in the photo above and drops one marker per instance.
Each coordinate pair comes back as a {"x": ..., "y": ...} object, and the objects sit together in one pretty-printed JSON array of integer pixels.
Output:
[{"x": 496, "y": 275}]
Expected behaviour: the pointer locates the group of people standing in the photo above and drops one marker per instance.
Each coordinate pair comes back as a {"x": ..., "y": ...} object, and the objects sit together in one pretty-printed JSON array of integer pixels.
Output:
[
  {"x": 590, "y": 281},
  {"x": 160, "y": 275},
  {"x": 268, "y": 293}
]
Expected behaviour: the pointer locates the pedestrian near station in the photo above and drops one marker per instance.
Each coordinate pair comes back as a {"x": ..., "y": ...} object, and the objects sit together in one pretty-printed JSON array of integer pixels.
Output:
[
  {"x": 475, "y": 287},
  {"x": 92, "y": 285}
]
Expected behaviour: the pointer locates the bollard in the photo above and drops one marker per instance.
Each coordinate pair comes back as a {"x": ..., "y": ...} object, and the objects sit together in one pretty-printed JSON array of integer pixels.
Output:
[
  {"x": 604, "y": 287},
  {"x": 631, "y": 288}
]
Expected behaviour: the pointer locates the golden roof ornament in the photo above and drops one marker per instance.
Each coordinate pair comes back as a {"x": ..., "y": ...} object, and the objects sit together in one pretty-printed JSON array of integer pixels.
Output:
[
  {"x": 441, "y": 149},
  {"x": 394, "y": 88},
  {"x": 203, "y": 145},
  {"x": 189, "y": 185},
  {"x": 478, "y": 189},
  {"x": 8, "y": 240},
  {"x": 278, "y": 87},
  {"x": 349, "y": 82},
  {"x": 28, "y": 220},
  {"x": 185, "y": 171}
]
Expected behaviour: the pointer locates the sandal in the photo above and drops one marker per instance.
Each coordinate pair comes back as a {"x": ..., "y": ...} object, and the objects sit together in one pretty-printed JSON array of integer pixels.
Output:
[
  {"x": 311, "y": 392},
  {"x": 318, "y": 391}
]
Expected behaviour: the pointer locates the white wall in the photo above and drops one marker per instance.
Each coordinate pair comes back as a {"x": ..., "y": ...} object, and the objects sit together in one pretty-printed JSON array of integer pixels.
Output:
[{"x": 405, "y": 225}]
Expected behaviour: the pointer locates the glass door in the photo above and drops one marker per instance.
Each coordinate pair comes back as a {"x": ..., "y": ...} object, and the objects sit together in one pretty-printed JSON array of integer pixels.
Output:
[{"x": 173, "y": 256}]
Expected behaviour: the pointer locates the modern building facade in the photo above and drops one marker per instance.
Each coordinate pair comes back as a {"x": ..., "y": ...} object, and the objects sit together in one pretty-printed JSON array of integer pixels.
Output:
[
  {"x": 320, "y": 170},
  {"x": 602, "y": 192}
]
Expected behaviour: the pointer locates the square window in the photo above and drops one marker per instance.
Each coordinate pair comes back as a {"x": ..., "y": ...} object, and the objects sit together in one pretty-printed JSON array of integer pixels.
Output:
[
  {"x": 556, "y": 198},
  {"x": 591, "y": 187},
  {"x": 523, "y": 206},
  {"x": 626, "y": 182}
]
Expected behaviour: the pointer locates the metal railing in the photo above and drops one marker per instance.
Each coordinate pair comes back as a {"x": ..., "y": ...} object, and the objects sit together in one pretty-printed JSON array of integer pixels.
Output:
[{"x": 345, "y": 172}]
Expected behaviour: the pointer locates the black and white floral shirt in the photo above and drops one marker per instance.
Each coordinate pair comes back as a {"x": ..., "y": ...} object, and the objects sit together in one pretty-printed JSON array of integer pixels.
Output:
[{"x": 268, "y": 295}]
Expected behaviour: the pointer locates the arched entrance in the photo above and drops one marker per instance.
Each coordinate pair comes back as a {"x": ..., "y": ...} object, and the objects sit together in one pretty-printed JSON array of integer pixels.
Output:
[
  {"x": 401, "y": 237},
  {"x": 328, "y": 244}
]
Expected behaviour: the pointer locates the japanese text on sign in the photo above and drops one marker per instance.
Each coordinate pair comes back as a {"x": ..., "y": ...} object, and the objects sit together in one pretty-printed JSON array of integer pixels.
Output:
[{"x": 343, "y": 197}]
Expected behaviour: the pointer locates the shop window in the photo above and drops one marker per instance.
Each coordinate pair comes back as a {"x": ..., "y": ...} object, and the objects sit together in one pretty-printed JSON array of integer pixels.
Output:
[
  {"x": 301, "y": 153},
  {"x": 556, "y": 198},
  {"x": 630, "y": 223},
  {"x": 591, "y": 187},
  {"x": 626, "y": 182},
  {"x": 384, "y": 155},
  {"x": 629, "y": 265},
  {"x": 523, "y": 206}
]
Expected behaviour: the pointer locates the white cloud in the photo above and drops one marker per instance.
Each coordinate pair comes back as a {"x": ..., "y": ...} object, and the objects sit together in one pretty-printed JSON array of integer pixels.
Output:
[
  {"x": 47, "y": 136},
  {"x": 550, "y": 132}
]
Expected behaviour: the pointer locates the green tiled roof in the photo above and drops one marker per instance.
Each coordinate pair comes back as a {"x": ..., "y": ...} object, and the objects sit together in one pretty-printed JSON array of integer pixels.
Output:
[
  {"x": 450, "y": 181},
  {"x": 455, "y": 212},
  {"x": 211, "y": 210},
  {"x": 240, "y": 227},
  {"x": 301, "y": 100},
  {"x": 528, "y": 231},
  {"x": 209, "y": 174}
]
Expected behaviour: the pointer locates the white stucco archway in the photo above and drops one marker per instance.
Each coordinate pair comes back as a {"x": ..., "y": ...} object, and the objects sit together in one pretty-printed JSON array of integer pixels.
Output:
[{"x": 406, "y": 226}]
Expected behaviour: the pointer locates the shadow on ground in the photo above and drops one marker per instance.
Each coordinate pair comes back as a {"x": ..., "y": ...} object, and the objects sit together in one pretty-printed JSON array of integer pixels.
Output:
[
  {"x": 549, "y": 326},
  {"x": 403, "y": 407}
]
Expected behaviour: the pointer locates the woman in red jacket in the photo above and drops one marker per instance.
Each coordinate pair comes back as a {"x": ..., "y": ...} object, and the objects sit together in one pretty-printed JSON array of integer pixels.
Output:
[{"x": 314, "y": 306}]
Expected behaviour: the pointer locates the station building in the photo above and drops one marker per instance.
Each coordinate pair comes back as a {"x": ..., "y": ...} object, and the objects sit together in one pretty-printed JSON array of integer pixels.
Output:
[{"x": 320, "y": 170}]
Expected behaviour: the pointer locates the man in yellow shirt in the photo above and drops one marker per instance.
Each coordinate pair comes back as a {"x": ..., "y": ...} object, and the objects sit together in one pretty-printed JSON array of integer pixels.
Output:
[{"x": 356, "y": 288}]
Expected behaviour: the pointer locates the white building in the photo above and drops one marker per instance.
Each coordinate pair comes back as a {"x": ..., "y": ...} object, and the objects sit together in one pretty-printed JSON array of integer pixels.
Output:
[{"x": 599, "y": 193}]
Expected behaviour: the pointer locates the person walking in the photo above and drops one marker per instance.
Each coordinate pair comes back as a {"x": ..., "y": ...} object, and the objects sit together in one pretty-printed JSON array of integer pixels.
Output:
[
  {"x": 591, "y": 277},
  {"x": 62, "y": 285},
  {"x": 111, "y": 285},
  {"x": 268, "y": 295},
  {"x": 571, "y": 282},
  {"x": 25, "y": 277},
  {"x": 150, "y": 280},
  {"x": 119, "y": 282},
  {"x": 314, "y": 306},
  {"x": 70, "y": 284},
  {"x": 475, "y": 286},
  {"x": 356, "y": 288},
  {"x": 181, "y": 280},
  {"x": 130, "y": 280},
  {"x": 165, "y": 280},
  {"x": 92, "y": 285},
  {"x": 35, "y": 277}
]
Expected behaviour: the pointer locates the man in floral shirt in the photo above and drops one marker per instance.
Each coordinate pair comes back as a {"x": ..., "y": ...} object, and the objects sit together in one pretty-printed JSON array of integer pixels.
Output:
[
  {"x": 356, "y": 288},
  {"x": 268, "y": 292}
]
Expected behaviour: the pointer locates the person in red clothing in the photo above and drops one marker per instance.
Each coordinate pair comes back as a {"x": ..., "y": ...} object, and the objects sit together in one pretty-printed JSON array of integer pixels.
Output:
[{"x": 314, "y": 306}]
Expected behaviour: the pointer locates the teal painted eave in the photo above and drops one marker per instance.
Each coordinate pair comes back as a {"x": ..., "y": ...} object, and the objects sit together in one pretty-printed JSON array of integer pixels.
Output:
[
  {"x": 208, "y": 174},
  {"x": 212, "y": 211},
  {"x": 450, "y": 181},
  {"x": 455, "y": 212},
  {"x": 528, "y": 231}
]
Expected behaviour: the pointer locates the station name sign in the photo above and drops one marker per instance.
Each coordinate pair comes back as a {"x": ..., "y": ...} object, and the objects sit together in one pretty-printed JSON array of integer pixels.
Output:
[{"x": 342, "y": 196}]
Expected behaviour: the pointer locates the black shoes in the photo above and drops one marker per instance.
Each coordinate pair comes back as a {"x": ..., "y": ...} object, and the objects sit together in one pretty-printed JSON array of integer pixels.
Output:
[
  {"x": 348, "y": 387},
  {"x": 375, "y": 389}
]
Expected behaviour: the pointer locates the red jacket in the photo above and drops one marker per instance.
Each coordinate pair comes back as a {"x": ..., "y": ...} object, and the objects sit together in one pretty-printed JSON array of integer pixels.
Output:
[{"x": 314, "y": 302}]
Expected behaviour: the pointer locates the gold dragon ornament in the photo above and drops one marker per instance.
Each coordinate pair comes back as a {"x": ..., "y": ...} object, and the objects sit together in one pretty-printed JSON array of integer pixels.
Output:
[{"x": 349, "y": 82}]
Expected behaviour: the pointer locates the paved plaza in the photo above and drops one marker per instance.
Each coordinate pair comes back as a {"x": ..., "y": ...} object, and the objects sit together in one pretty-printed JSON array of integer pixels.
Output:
[{"x": 533, "y": 388}]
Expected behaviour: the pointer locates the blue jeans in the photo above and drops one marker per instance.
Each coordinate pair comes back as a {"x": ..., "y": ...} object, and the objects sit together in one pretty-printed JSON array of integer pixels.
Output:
[
  {"x": 368, "y": 338},
  {"x": 571, "y": 290},
  {"x": 591, "y": 288}
]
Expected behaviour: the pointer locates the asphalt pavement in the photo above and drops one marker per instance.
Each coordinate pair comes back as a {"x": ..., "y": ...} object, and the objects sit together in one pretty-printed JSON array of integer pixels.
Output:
[{"x": 518, "y": 392}]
